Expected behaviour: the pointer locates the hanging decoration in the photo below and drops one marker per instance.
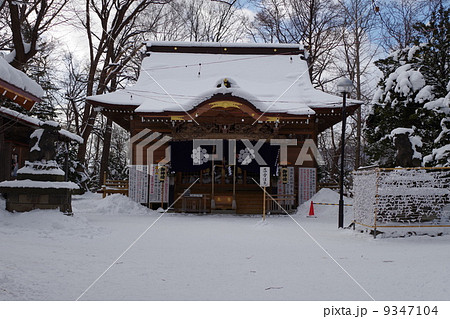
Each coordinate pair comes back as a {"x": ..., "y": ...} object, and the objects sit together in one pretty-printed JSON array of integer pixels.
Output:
[
  {"x": 246, "y": 156},
  {"x": 199, "y": 156}
]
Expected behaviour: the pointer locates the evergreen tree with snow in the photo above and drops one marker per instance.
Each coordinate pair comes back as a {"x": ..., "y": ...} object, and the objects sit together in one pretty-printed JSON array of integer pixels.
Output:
[
  {"x": 413, "y": 99},
  {"x": 437, "y": 73}
]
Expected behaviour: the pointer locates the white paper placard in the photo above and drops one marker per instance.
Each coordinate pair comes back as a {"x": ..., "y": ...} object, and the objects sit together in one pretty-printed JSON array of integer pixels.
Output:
[
  {"x": 264, "y": 176},
  {"x": 138, "y": 183},
  {"x": 132, "y": 182},
  {"x": 306, "y": 184}
]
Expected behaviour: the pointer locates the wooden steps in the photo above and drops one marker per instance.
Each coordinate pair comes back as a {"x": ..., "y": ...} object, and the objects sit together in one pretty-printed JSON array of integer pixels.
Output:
[
  {"x": 249, "y": 202},
  {"x": 223, "y": 211}
]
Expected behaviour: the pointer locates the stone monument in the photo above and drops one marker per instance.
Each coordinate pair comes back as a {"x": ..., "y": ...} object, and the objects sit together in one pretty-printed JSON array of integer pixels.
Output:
[
  {"x": 40, "y": 183},
  {"x": 405, "y": 151}
]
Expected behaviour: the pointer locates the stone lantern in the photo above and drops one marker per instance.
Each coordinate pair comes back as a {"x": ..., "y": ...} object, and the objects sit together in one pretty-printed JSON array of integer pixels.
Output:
[{"x": 40, "y": 183}]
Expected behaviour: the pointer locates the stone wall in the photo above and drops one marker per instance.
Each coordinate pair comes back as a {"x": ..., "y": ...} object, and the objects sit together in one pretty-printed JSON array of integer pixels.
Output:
[{"x": 402, "y": 196}]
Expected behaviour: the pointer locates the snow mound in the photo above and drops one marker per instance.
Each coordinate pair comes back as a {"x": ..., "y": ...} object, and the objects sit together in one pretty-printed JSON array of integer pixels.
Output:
[
  {"x": 115, "y": 204},
  {"x": 49, "y": 223},
  {"x": 325, "y": 196}
]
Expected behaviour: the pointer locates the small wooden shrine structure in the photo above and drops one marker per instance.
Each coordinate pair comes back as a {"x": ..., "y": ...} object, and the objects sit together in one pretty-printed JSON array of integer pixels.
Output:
[
  {"x": 15, "y": 128},
  {"x": 194, "y": 104},
  {"x": 15, "y": 132},
  {"x": 30, "y": 178}
]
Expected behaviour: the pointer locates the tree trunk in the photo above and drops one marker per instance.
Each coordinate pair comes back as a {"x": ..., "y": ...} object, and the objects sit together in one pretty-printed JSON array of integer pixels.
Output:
[
  {"x": 16, "y": 28},
  {"x": 106, "y": 150},
  {"x": 86, "y": 133},
  {"x": 96, "y": 156}
]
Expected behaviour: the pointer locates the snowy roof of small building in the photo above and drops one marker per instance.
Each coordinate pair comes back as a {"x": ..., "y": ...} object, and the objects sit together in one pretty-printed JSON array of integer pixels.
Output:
[
  {"x": 179, "y": 81},
  {"x": 19, "y": 79},
  {"x": 32, "y": 121},
  {"x": 27, "y": 183}
]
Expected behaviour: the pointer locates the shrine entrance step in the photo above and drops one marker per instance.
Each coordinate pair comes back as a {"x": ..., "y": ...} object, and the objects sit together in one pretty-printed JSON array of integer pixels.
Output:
[{"x": 223, "y": 211}]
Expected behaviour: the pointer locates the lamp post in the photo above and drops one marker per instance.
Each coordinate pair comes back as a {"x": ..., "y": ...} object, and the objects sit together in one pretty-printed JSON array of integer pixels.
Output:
[{"x": 344, "y": 86}]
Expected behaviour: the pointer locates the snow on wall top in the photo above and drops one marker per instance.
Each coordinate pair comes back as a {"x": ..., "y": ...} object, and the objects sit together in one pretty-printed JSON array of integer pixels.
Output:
[
  {"x": 19, "y": 79},
  {"x": 181, "y": 81},
  {"x": 37, "y": 122},
  {"x": 27, "y": 183}
]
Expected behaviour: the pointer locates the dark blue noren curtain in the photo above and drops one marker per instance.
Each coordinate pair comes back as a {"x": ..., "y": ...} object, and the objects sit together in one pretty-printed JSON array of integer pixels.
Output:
[
  {"x": 181, "y": 160},
  {"x": 180, "y": 157},
  {"x": 268, "y": 152}
]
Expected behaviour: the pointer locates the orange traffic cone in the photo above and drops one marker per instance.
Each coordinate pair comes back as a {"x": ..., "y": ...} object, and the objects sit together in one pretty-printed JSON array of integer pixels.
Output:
[{"x": 311, "y": 210}]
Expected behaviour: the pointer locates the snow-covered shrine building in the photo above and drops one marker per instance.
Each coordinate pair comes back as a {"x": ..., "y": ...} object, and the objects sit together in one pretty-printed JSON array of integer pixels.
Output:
[{"x": 236, "y": 98}]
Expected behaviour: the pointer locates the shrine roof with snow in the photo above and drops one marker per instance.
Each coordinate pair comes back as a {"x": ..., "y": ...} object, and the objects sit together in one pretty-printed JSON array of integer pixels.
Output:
[
  {"x": 17, "y": 86},
  {"x": 179, "y": 76},
  {"x": 36, "y": 123}
]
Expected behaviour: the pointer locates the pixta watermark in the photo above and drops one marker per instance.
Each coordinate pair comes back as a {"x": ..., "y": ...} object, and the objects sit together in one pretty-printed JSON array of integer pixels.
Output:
[{"x": 142, "y": 147}]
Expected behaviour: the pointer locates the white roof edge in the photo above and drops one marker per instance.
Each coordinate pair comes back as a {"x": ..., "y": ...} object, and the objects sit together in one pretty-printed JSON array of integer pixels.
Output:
[
  {"x": 38, "y": 122},
  {"x": 99, "y": 98},
  {"x": 225, "y": 44},
  {"x": 335, "y": 105},
  {"x": 19, "y": 79}
]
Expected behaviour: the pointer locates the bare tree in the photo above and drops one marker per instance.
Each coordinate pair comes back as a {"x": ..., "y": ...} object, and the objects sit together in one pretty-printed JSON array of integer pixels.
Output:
[
  {"x": 28, "y": 20},
  {"x": 73, "y": 90},
  {"x": 315, "y": 23},
  {"x": 270, "y": 22},
  {"x": 397, "y": 19},
  {"x": 329, "y": 143},
  {"x": 113, "y": 39},
  {"x": 197, "y": 20},
  {"x": 355, "y": 55}
]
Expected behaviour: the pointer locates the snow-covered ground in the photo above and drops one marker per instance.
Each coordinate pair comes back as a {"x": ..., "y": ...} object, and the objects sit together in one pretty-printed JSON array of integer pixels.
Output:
[{"x": 45, "y": 255}]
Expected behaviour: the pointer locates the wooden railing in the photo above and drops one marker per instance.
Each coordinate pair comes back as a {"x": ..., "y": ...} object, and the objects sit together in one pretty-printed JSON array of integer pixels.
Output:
[
  {"x": 281, "y": 203},
  {"x": 114, "y": 187},
  {"x": 194, "y": 203}
]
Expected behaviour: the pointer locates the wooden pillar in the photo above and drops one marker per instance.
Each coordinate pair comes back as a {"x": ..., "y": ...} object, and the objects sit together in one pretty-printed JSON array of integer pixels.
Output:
[
  {"x": 316, "y": 140},
  {"x": 5, "y": 156}
]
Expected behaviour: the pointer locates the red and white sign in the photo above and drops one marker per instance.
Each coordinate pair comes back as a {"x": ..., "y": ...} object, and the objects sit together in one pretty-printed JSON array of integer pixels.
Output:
[
  {"x": 155, "y": 186},
  {"x": 288, "y": 188}
]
